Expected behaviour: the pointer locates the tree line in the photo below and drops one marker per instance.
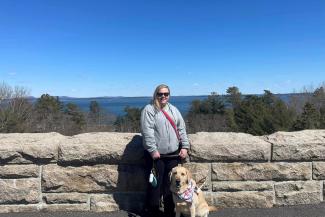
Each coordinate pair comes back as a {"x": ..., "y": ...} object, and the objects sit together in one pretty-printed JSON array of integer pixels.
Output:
[
  {"x": 233, "y": 112},
  {"x": 258, "y": 115},
  {"x": 253, "y": 114},
  {"x": 48, "y": 114}
]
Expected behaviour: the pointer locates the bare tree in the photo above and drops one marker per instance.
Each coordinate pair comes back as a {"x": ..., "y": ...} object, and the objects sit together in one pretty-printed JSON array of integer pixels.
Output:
[{"x": 15, "y": 110}]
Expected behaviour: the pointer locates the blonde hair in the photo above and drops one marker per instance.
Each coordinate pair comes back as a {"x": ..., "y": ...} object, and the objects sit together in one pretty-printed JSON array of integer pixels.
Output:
[{"x": 155, "y": 100}]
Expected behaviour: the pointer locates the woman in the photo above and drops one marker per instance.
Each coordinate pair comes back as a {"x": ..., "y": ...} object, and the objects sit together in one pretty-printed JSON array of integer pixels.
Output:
[{"x": 163, "y": 142}]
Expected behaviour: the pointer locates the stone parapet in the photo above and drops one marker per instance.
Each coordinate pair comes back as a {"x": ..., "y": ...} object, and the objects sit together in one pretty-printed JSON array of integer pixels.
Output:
[
  {"x": 260, "y": 171},
  {"x": 27, "y": 148},
  {"x": 103, "y": 172},
  {"x": 299, "y": 192},
  {"x": 307, "y": 145},
  {"x": 101, "y": 148},
  {"x": 93, "y": 179},
  {"x": 228, "y": 147}
]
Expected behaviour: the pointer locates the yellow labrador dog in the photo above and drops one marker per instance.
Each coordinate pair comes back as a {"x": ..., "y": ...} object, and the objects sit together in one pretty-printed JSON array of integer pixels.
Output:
[{"x": 188, "y": 197}]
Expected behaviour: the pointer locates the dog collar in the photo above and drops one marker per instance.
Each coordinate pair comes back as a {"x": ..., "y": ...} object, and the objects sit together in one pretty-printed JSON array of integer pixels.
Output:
[{"x": 187, "y": 195}]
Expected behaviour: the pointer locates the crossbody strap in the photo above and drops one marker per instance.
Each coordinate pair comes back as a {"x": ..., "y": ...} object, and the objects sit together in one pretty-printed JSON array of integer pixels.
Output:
[{"x": 172, "y": 123}]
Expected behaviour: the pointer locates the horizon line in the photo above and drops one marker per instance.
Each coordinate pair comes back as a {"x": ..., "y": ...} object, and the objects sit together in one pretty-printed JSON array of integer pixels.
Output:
[{"x": 151, "y": 96}]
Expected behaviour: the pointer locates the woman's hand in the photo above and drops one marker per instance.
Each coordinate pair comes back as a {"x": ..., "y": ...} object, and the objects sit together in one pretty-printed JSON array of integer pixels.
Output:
[
  {"x": 155, "y": 155},
  {"x": 183, "y": 153}
]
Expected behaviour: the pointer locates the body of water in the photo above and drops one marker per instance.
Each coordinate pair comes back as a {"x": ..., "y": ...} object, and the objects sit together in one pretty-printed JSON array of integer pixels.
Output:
[{"x": 116, "y": 105}]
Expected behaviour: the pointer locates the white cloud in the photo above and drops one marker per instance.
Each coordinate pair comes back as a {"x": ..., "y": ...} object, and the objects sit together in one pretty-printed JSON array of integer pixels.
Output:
[{"x": 196, "y": 85}]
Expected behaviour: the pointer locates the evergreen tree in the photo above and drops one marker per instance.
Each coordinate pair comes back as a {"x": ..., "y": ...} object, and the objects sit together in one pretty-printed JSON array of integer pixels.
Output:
[
  {"x": 319, "y": 102},
  {"x": 130, "y": 122},
  {"x": 318, "y": 98},
  {"x": 212, "y": 105},
  {"x": 215, "y": 104},
  {"x": 98, "y": 119},
  {"x": 234, "y": 96},
  {"x": 75, "y": 115},
  {"x": 283, "y": 116},
  {"x": 48, "y": 114},
  {"x": 259, "y": 115},
  {"x": 195, "y": 107},
  {"x": 94, "y": 113},
  {"x": 322, "y": 118},
  {"x": 47, "y": 106},
  {"x": 207, "y": 115},
  {"x": 309, "y": 119},
  {"x": 230, "y": 120},
  {"x": 94, "y": 107},
  {"x": 253, "y": 116}
]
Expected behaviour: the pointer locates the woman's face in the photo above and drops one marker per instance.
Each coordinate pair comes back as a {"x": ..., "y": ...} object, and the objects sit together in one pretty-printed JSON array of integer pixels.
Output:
[{"x": 163, "y": 96}]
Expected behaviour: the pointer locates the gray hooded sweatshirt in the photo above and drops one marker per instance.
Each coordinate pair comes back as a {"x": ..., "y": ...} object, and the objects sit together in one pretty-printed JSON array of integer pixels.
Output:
[{"x": 158, "y": 133}]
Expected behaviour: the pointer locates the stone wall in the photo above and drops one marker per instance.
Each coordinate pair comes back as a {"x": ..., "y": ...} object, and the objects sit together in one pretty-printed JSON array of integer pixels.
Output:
[{"x": 105, "y": 171}]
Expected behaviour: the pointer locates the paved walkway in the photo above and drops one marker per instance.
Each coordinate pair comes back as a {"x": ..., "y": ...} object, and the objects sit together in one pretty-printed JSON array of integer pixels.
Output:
[{"x": 293, "y": 211}]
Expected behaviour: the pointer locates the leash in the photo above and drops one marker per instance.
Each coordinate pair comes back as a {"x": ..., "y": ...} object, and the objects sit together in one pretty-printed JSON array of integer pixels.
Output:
[{"x": 162, "y": 156}]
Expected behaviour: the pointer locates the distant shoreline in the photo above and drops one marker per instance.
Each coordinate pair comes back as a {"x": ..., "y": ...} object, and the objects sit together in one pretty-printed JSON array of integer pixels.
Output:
[
  {"x": 116, "y": 105},
  {"x": 110, "y": 97}
]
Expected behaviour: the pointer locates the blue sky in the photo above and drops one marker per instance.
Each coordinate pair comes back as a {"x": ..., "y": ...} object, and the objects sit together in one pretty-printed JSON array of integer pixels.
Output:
[{"x": 85, "y": 48}]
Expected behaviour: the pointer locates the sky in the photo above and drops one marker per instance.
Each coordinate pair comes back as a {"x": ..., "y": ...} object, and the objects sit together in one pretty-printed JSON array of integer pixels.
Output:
[{"x": 92, "y": 48}]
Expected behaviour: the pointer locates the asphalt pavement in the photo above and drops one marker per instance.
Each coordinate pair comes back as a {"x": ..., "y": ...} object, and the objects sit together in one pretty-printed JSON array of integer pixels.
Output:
[{"x": 291, "y": 211}]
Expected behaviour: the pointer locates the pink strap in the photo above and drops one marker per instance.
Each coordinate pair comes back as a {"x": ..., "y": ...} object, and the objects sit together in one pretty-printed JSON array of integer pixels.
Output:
[{"x": 172, "y": 123}]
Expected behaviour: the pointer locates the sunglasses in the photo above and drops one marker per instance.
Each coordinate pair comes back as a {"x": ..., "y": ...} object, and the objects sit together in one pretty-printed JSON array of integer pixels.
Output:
[{"x": 162, "y": 94}]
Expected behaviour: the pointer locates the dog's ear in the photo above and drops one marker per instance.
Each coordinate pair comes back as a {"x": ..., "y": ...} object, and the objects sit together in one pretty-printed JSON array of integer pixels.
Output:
[{"x": 189, "y": 176}]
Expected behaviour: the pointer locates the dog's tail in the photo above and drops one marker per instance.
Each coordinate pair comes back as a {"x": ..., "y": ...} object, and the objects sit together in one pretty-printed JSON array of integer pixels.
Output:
[{"x": 213, "y": 208}]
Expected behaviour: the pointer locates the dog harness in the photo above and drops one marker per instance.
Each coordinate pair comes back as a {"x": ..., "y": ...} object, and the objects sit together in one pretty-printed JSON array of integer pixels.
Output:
[{"x": 187, "y": 195}]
